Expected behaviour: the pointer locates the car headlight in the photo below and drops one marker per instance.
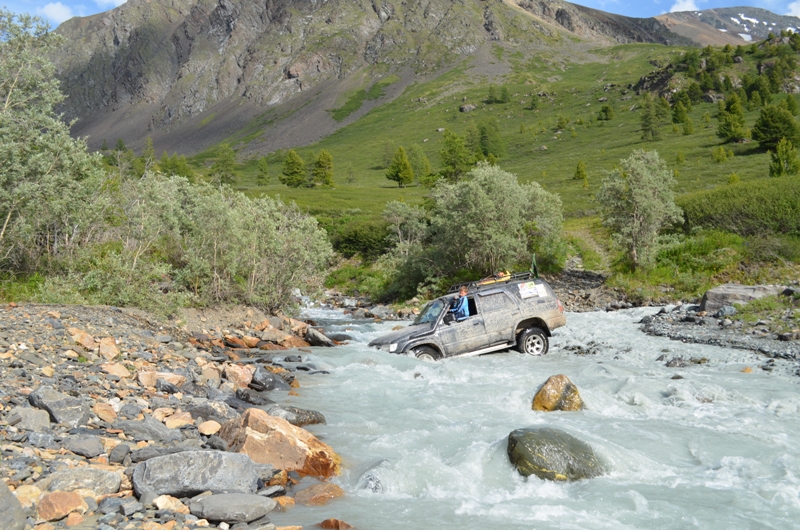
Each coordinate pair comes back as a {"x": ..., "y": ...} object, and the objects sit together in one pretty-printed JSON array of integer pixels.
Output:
[{"x": 392, "y": 347}]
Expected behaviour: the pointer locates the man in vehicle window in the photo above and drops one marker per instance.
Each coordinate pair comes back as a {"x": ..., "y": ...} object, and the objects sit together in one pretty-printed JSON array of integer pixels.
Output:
[{"x": 460, "y": 305}]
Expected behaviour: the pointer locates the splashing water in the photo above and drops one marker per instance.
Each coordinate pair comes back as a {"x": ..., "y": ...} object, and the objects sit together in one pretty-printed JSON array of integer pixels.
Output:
[{"x": 424, "y": 444}]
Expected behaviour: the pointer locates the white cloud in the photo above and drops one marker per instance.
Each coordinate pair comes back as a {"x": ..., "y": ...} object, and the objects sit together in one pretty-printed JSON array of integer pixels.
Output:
[
  {"x": 56, "y": 11},
  {"x": 108, "y": 4},
  {"x": 684, "y": 5},
  {"x": 794, "y": 9}
]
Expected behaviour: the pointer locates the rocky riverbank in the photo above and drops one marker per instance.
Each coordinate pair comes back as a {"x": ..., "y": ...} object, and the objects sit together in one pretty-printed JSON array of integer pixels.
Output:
[{"x": 110, "y": 419}]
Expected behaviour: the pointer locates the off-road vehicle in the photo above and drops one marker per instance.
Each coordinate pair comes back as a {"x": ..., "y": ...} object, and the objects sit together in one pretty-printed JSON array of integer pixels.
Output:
[{"x": 516, "y": 310}]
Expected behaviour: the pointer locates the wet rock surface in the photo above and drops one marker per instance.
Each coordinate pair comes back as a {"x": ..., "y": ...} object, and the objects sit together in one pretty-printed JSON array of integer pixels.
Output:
[
  {"x": 552, "y": 454},
  {"x": 688, "y": 323},
  {"x": 110, "y": 419}
]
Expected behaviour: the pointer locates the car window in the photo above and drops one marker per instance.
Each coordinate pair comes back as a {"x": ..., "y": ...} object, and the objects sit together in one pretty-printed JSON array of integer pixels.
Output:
[
  {"x": 494, "y": 302},
  {"x": 430, "y": 312}
]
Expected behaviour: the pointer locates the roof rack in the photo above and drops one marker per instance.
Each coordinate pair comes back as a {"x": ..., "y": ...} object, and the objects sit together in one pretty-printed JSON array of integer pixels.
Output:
[{"x": 492, "y": 281}]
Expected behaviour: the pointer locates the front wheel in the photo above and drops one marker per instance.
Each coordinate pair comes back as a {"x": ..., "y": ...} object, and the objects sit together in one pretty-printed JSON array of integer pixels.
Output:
[
  {"x": 533, "y": 341},
  {"x": 427, "y": 354}
]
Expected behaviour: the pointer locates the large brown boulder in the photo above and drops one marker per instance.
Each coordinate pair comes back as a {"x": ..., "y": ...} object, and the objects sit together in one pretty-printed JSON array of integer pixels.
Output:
[
  {"x": 558, "y": 393},
  {"x": 271, "y": 440}
]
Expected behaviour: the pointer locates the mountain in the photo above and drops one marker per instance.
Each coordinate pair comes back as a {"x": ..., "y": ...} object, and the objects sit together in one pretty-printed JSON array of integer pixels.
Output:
[
  {"x": 730, "y": 25},
  {"x": 190, "y": 73}
]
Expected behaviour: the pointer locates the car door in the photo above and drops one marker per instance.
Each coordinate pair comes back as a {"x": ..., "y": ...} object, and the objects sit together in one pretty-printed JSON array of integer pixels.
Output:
[
  {"x": 500, "y": 314},
  {"x": 465, "y": 336}
]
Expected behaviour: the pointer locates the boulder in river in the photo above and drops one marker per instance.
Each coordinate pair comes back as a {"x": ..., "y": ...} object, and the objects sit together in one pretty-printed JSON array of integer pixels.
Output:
[
  {"x": 557, "y": 393},
  {"x": 271, "y": 440},
  {"x": 552, "y": 454}
]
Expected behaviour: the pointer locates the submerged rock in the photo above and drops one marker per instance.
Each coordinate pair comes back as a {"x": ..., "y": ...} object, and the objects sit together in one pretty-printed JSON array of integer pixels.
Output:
[
  {"x": 552, "y": 454},
  {"x": 557, "y": 393}
]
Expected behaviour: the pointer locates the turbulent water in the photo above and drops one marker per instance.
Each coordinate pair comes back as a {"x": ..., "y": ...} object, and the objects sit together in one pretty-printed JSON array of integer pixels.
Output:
[{"x": 424, "y": 444}]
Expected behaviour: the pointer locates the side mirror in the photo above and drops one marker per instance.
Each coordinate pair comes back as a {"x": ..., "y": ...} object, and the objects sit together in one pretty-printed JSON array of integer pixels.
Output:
[{"x": 449, "y": 318}]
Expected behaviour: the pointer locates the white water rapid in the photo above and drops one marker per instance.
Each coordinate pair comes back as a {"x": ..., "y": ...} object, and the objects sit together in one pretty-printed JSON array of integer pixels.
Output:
[{"x": 424, "y": 444}]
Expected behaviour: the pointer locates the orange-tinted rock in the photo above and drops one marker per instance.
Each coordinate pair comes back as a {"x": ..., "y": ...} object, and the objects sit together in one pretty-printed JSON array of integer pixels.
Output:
[
  {"x": 335, "y": 524},
  {"x": 281, "y": 478},
  {"x": 59, "y": 504},
  {"x": 207, "y": 428},
  {"x": 558, "y": 393},
  {"x": 239, "y": 375},
  {"x": 211, "y": 372},
  {"x": 288, "y": 528},
  {"x": 74, "y": 519},
  {"x": 167, "y": 502},
  {"x": 28, "y": 495},
  {"x": 251, "y": 342},
  {"x": 268, "y": 346},
  {"x": 294, "y": 342},
  {"x": 82, "y": 338},
  {"x": 117, "y": 369},
  {"x": 318, "y": 494},
  {"x": 272, "y": 440},
  {"x": 108, "y": 348},
  {"x": 284, "y": 502},
  {"x": 169, "y": 525},
  {"x": 747, "y": 370},
  {"x": 234, "y": 342},
  {"x": 162, "y": 413},
  {"x": 150, "y": 378},
  {"x": 179, "y": 419}
]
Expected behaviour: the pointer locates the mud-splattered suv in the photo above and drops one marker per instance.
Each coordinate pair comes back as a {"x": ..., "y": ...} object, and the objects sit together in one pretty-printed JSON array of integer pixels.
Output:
[{"x": 519, "y": 310}]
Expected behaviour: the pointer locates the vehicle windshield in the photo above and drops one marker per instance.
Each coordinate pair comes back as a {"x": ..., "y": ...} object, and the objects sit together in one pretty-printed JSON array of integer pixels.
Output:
[{"x": 430, "y": 312}]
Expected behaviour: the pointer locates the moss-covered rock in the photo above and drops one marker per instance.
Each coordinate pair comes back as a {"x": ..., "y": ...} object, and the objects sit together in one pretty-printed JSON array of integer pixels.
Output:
[{"x": 552, "y": 454}]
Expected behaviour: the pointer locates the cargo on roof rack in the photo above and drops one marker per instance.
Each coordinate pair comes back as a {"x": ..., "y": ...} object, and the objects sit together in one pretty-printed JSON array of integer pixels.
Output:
[{"x": 492, "y": 281}]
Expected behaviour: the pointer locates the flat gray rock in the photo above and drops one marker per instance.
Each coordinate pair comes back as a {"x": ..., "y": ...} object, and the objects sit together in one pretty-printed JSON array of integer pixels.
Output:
[
  {"x": 12, "y": 516},
  {"x": 232, "y": 508},
  {"x": 32, "y": 419},
  {"x": 733, "y": 293},
  {"x": 62, "y": 408},
  {"x": 216, "y": 410},
  {"x": 86, "y": 446},
  {"x": 148, "y": 429},
  {"x": 100, "y": 481},
  {"x": 192, "y": 472}
]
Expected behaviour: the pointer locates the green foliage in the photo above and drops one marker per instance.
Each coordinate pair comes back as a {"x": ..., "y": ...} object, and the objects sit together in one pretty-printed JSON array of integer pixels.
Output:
[
  {"x": 637, "y": 202},
  {"x": 606, "y": 113},
  {"x": 580, "y": 171},
  {"x": 491, "y": 141},
  {"x": 680, "y": 158},
  {"x": 505, "y": 95},
  {"x": 731, "y": 126},
  {"x": 456, "y": 158},
  {"x": 120, "y": 145},
  {"x": 679, "y": 113},
  {"x": 175, "y": 165},
  {"x": 784, "y": 160},
  {"x": 719, "y": 154},
  {"x": 773, "y": 124},
  {"x": 294, "y": 170},
  {"x": 223, "y": 170},
  {"x": 688, "y": 126},
  {"x": 262, "y": 177},
  {"x": 746, "y": 208},
  {"x": 400, "y": 169},
  {"x": 322, "y": 172},
  {"x": 492, "y": 97},
  {"x": 420, "y": 164},
  {"x": 357, "y": 237},
  {"x": 791, "y": 104},
  {"x": 649, "y": 120}
]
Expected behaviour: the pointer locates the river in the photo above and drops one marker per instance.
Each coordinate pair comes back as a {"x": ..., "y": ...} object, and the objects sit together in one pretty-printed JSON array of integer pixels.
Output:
[{"x": 424, "y": 444}]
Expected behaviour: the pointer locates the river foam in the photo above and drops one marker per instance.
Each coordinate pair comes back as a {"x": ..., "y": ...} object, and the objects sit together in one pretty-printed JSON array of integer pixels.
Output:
[{"x": 424, "y": 445}]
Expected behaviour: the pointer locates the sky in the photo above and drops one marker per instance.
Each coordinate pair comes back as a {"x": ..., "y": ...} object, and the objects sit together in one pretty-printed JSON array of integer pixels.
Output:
[{"x": 61, "y": 10}]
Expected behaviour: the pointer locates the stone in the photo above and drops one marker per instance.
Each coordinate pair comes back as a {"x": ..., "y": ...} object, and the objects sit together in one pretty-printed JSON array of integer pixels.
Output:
[
  {"x": 149, "y": 379},
  {"x": 232, "y": 507},
  {"x": 557, "y": 393},
  {"x": 167, "y": 502},
  {"x": 294, "y": 342},
  {"x": 58, "y": 504},
  {"x": 274, "y": 335},
  {"x": 178, "y": 420},
  {"x": 165, "y": 387},
  {"x": 73, "y": 519},
  {"x": 335, "y": 524},
  {"x": 552, "y": 454},
  {"x": 263, "y": 380},
  {"x": 62, "y": 408},
  {"x": 207, "y": 428},
  {"x": 731, "y": 293},
  {"x": 239, "y": 375},
  {"x": 317, "y": 338},
  {"x": 296, "y": 416},
  {"x": 192, "y": 472},
  {"x": 271, "y": 440},
  {"x": 469, "y": 107},
  {"x": 318, "y": 494},
  {"x": 218, "y": 411},
  {"x": 87, "y": 446},
  {"x": 725, "y": 311},
  {"x": 98, "y": 480},
  {"x": 31, "y": 419},
  {"x": 148, "y": 429},
  {"x": 130, "y": 506},
  {"x": 82, "y": 338},
  {"x": 28, "y": 496},
  {"x": 108, "y": 348},
  {"x": 118, "y": 453},
  {"x": 105, "y": 412},
  {"x": 12, "y": 515},
  {"x": 789, "y": 336}
]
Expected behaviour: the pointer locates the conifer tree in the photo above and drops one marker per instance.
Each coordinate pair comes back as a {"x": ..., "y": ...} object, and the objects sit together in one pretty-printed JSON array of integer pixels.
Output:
[
  {"x": 294, "y": 170},
  {"x": 400, "y": 169},
  {"x": 262, "y": 177},
  {"x": 456, "y": 158},
  {"x": 784, "y": 160},
  {"x": 322, "y": 173},
  {"x": 649, "y": 119},
  {"x": 580, "y": 171},
  {"x": 224, "y": 166},
  {"x": 773, "y": 124}
]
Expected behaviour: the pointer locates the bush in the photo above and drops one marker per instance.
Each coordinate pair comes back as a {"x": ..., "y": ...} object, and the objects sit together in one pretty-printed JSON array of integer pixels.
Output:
[
  {"x": 746, "y": 208},
  {"x": 364, "y": 238}
]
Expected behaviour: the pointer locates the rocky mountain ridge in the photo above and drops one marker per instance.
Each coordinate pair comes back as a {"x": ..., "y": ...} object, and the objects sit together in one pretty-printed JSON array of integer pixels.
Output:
[
  {"x": 190, "y": 72},
  {"x": 729, "y": 25}
]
